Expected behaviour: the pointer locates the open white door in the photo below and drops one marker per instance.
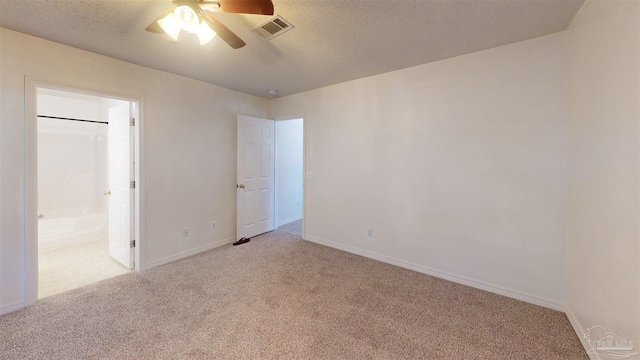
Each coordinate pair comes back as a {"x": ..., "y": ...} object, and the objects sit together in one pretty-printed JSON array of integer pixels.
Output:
[
  {"x": 120, "y": 176},
  {"x": 256, "y": 173}
]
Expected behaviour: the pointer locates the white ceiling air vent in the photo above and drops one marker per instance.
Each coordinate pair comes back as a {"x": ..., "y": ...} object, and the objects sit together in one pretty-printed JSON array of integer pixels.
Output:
[{"x": 276, "y": 26}]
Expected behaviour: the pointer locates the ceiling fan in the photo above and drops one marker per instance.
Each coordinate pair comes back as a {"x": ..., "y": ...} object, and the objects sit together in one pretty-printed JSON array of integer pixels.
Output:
[{"x": 196, "y": 16}]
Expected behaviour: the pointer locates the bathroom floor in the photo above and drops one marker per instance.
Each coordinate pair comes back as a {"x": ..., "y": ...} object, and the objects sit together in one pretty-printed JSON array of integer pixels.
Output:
[{"x": 69, "y": 267}]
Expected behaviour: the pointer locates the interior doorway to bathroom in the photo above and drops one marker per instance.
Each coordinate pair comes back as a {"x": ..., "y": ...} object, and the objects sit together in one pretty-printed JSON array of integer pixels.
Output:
[{"x": 85, "y": 197}]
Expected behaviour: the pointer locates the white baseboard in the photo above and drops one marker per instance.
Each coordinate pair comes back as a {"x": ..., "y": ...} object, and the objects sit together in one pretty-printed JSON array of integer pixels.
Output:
[
  {"x": 186, "y": 254},
  {"x": 5, "y": 309},
  {"x": 515, "y": 294},
  {"x": 289, "y": 220},
  {"x": 580, "y": 331}
]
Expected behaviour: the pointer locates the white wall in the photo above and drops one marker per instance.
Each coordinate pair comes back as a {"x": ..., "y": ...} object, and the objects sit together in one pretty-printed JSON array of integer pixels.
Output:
[
  {"x": 603, "y": 245},
  {"x": 289, "y": 153},
  {"x": 459, "y": 167},
  {"x": 189, "y": 136},
  {"x": 67, "y": 104}
]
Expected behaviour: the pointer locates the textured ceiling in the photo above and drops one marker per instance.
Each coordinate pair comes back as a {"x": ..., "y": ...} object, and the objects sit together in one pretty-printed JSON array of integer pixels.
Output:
[{"x": 333, "y": 40}]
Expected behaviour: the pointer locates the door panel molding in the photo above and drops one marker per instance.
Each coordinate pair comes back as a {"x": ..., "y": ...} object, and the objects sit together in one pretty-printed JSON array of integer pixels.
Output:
[{"x": 255, "y": 176}]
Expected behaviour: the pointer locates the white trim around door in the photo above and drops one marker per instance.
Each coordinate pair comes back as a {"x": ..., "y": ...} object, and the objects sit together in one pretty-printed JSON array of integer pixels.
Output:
[{"x": 31, "y": 178}]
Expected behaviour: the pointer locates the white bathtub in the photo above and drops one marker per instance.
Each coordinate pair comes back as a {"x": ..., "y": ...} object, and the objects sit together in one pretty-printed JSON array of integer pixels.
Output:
[{"x": 64, "y": 231}]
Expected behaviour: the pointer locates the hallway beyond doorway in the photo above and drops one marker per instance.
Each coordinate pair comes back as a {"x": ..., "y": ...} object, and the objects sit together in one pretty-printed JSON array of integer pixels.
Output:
[{"x": 293, "y": 228}]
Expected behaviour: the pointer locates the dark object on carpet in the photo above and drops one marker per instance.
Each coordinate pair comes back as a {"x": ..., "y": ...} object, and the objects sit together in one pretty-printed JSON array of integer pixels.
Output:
[{"x": 242, "y": 241}]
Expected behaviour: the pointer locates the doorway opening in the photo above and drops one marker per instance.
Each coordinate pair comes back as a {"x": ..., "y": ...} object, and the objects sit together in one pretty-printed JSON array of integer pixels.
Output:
[
  {"x": 85, "y": 194},
  {"x": 289, "y": 175}
]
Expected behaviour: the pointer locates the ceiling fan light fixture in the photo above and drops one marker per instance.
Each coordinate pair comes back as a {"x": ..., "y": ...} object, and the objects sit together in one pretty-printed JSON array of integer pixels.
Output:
[
  {"x": 171, "y": 26},
  {"x": 190, "y": 14},
  {"x": 205, "y": 34},
  {"x": 187, "y": 18}
]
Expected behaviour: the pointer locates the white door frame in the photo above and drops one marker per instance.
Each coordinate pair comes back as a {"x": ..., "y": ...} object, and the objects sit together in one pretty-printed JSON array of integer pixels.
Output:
[
  {"x": 31, "y": 178},
  {"x": 304, "y": 171}
]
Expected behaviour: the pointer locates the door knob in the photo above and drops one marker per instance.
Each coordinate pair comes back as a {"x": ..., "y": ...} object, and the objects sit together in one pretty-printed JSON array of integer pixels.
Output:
[
  {"x": 108, "y": 192},
  {"x": 241, "y": 186}
]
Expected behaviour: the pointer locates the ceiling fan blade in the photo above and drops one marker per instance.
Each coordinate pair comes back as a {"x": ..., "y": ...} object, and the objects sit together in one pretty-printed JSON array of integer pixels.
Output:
[
  {"x": 223, "y": 32},
  {"x": 154, "y": 27},
  {"x": 260, "y": 7}
]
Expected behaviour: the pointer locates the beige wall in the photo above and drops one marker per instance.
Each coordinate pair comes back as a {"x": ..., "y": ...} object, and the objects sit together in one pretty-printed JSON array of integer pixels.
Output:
[
  {"x": 603, "y": 243},
  {"x": 458, "y": 166},
  {"x": 189, "y": 139}
]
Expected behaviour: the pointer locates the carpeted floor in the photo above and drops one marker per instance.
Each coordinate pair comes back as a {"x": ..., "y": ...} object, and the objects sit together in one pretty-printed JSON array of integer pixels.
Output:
[
  {"x": 279, "y": 297},
  {"x": 294, "y": 228}
]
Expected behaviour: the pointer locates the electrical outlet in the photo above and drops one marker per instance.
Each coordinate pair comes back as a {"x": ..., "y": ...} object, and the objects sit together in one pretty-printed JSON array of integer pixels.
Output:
[
  {"x": 213, "y": 225},
  {"x": 370, "y": 233},
  {"x": 185, "y": 233}
]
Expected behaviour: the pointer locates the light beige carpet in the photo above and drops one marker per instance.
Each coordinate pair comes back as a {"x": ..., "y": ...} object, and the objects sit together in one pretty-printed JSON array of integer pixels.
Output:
[
  {"x": 70, "y": 267},
  {"x": 279, "y": 297},
  {"x": 294, "y": 228}
]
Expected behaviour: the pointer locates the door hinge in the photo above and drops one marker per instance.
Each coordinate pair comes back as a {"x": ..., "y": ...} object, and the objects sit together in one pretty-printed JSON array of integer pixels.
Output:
[
  {"x": 132, "y": 185},
  {"x": 133, "y": 121},
  {"x": 133, "y": 243}
]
